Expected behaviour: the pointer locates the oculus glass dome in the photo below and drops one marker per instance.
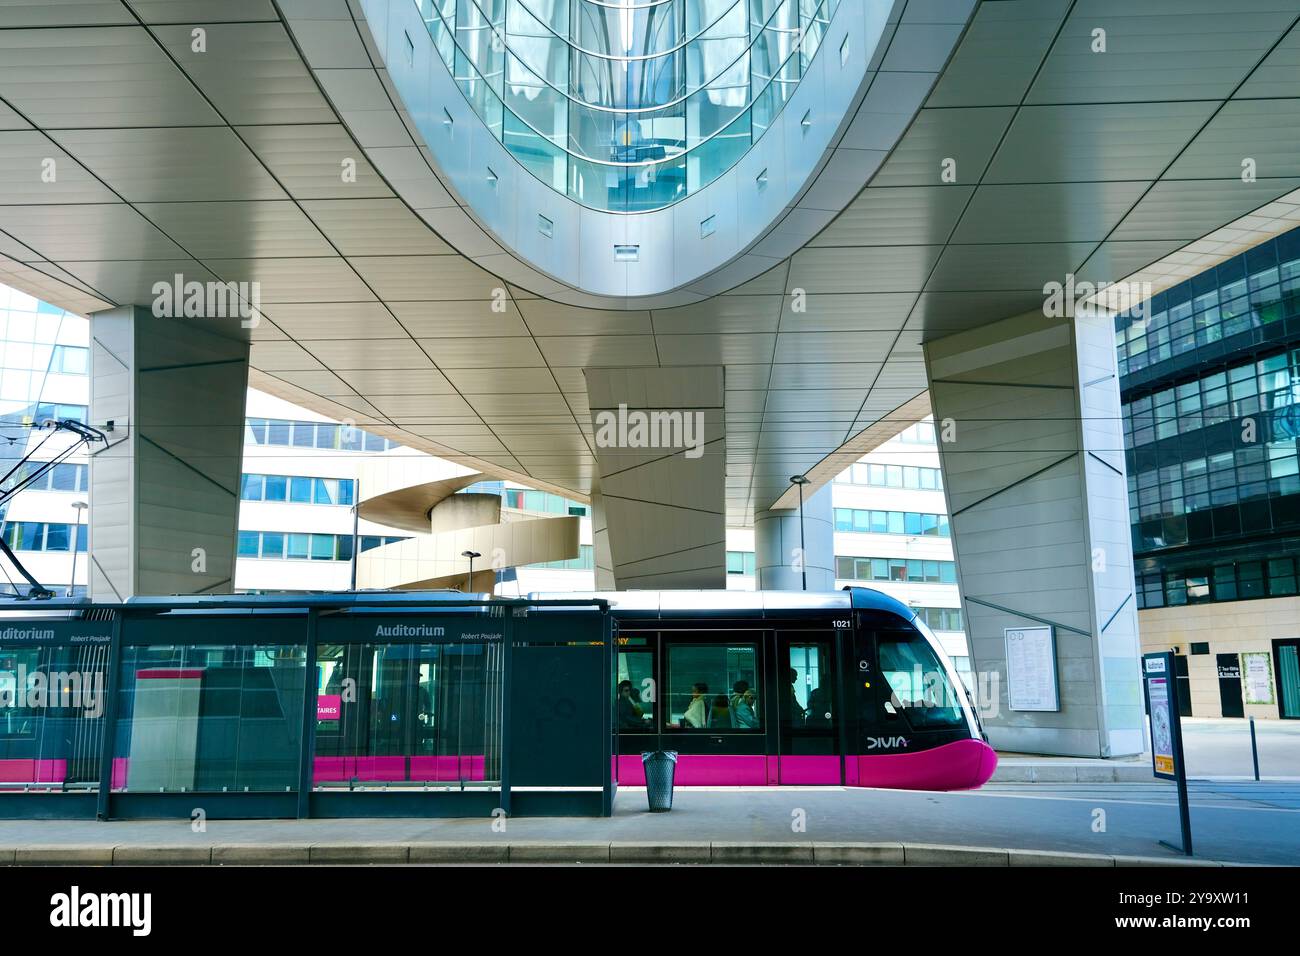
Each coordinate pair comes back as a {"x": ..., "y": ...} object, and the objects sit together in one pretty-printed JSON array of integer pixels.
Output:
[{"x": 627, "y": 106}]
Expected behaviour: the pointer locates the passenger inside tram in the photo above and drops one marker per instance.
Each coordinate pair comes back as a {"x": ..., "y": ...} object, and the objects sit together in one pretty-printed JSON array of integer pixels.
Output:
[
  {"x": 743, "y": 714},
  {"x": 697, "y": 711},
  {"x": 631, "y": 715}
]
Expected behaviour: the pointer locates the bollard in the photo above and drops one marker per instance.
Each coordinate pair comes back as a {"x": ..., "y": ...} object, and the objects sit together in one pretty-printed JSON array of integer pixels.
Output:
[{"x": 1254, "y": 749}]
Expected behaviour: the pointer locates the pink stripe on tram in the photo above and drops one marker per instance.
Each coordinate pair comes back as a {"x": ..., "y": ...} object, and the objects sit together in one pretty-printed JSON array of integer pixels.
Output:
[
  {"x": 822, "y": 769},
  {"x": 960, "y": 765},
  {"x": 23, "y": 770}
]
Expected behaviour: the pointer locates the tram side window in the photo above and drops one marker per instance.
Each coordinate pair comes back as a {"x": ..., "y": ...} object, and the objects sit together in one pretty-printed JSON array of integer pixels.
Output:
[
  {"x": 636, "y": 691},
  {"x": 713, "y": 687},
  {"x": 919, "y": 685}
]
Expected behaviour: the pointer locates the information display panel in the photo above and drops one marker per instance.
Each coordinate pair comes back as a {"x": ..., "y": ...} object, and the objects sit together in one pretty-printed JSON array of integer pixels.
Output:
[{"x": 1031, "y": 669}]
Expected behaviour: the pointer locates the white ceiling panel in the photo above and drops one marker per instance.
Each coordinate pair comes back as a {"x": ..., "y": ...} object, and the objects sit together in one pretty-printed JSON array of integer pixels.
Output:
[
  {"x": 315, "y": 162},
  {"x": 172, "y": 165},
  {"x": 72, "y": 77},
  {"x": 238, "y": 230},
  {"x": 233, "y": 165},
  {"x": 249, "y": 71}
]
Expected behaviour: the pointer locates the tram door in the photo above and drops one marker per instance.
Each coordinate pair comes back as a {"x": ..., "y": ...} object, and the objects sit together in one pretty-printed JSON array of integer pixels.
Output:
[{"x": 808, "y": 708}]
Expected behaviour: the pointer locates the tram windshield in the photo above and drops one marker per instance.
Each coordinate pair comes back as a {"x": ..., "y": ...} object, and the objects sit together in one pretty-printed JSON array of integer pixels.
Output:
[{"x": 920, "y": 686}]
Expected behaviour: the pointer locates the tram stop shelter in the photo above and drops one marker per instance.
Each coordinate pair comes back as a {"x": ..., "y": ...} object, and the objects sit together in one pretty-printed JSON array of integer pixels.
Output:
[{"x": 378, "y": 704}]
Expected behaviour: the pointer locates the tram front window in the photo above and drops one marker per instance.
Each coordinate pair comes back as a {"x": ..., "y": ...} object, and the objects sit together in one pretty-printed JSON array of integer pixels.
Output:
[
  {"x": 713, "y": 687},
  {"x": 919, "y": 686}
]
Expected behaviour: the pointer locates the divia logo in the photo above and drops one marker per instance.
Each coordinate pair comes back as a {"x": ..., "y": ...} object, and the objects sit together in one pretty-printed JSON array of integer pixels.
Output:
[{"x": 886, "y": 743}]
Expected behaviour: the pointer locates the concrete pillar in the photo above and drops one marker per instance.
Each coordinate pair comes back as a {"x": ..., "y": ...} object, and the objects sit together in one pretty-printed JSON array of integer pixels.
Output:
[
  {"x": 777, "y": 553},
  {"x": 604, "y": 562},
  {"x": 660, "y": 441},
  {"x": 1027, "y": 413},
  {"x": 165, "y": 492}
]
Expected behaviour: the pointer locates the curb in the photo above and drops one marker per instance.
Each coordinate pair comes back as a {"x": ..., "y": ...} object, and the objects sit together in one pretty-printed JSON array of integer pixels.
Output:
[
  {"x": 56, "y": 855},
  {"x": 536, "y": 852},
  {"x": 260, "y": 854},
  {"x": 459, "y": 853},
  {"x": 175, "y": 854},
  {"x": 1055, "y": 773},
  {"x": 540, "y": 852},
  {"x": 358, "y": 853},
  {"x": 660, "y": 853}
]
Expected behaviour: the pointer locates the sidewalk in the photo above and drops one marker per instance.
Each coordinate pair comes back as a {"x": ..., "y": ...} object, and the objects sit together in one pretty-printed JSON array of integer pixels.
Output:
[
  {"x": 1005, "y": 826},
  {"x": 1026, "y": 768},
  {"x": 1217, "y": 749}
]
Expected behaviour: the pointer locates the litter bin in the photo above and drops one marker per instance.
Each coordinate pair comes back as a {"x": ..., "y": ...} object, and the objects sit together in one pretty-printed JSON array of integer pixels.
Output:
[{"x": 660, "y": 768}]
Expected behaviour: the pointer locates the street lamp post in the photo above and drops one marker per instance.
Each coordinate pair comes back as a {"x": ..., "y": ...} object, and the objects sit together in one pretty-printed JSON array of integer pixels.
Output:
[
  {"x": 80, "y": 507},
  {"x": 356, "y": 529},
  {"x": 469, "y": 581},
  {"x": 800, "y": 481}
]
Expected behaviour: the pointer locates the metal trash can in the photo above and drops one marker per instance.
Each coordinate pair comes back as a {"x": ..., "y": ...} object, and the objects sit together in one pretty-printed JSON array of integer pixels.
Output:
[{"x": 660, "y": 769}]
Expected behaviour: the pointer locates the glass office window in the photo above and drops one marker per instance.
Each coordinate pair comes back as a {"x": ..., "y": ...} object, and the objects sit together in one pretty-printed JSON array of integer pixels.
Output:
[
  {"x": 251, "y": 487},
  {"x": 300, "y": 490},
  {"x": 249, "y": 543},
  {"x": 57, "y": 537},
  {"x": 297, "y": 546},
  {"x": 1281, "y": 577},
  {"x": 322, "y": 547},
  {"x": 276, "y": 487},
  {"x": 68, "y": 477},
  {"x": 1250, "y": 579},
  {"x": 272, "y": 544}
]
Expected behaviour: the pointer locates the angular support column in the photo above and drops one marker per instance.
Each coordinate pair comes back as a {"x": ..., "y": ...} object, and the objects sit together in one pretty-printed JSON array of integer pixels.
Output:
[
  {"x": 165, "y": 492},
  {"x": 604, "y": 563},
  {"x": 779, "y": 556},
  {"x": 660, "y": 443},
  {"x": 1027, "y": 411}
]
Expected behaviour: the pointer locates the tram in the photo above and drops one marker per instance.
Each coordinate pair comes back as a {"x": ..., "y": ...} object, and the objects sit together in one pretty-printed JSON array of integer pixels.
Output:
[{"x": 844, "y": 688}]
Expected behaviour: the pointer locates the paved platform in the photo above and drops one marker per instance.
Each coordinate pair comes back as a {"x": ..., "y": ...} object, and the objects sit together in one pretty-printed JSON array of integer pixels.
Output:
[
  {"x": 1217, "y": 749},
  {"x": 1003, "y": 824}
]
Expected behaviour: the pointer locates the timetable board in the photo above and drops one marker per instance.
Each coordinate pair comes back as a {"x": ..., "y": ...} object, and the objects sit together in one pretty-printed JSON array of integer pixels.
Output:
[{"x": 1031, "y": 669}]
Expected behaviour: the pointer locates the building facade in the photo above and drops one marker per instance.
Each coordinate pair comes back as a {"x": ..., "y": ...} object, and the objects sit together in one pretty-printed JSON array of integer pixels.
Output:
[
  {"x": 891, "y": 534},
  {"x": 1210, "y": 384}
]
